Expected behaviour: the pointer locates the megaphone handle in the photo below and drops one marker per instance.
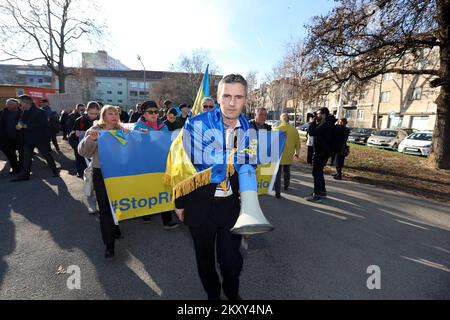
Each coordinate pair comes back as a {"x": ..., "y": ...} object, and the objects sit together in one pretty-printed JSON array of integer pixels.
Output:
[{"x": 244, "y": 242}]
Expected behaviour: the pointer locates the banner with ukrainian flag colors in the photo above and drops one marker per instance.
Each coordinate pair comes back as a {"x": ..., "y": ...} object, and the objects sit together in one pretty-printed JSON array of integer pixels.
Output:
[{"x": 134, "y": 167}]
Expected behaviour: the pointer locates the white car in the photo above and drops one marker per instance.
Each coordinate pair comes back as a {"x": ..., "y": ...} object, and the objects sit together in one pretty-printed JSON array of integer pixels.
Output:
[
  {"x": 387, "y": 138},
  {"x": 418, "y": 143}
]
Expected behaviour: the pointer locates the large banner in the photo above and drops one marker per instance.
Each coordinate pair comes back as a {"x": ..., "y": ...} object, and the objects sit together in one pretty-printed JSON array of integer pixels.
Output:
[{"x": 134, "y": 168}]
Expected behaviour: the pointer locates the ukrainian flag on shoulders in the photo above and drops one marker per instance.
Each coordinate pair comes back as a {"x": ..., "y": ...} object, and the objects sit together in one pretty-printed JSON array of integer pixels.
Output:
[{"x": 198, "y": 156}]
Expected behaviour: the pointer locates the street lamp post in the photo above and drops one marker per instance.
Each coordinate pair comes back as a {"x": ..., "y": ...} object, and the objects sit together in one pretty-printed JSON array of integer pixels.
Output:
[{"x": 145, "y": 85}]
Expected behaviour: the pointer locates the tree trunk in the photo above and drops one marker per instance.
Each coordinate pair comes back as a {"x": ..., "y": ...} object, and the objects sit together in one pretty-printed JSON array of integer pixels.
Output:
[
  {"x": 440, "y": 156},
  {"x": 62, "y": 82}
]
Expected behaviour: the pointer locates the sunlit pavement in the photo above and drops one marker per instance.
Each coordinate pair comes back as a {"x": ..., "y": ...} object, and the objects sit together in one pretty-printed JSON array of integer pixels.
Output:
[{"x": 317, "y": 251}]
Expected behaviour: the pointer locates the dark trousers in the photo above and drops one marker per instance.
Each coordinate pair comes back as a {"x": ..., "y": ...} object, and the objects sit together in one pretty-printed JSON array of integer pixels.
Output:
[
  {"x": 54, "y": 141},
  {"x": 107, "y": 226},
  {"x": 339, "y": 163},
  {"x": 286, "y": 175},
  {"x": 11, "y": 155},
  {"x": 213, "y": 237},
  {"x": 166, "y": 217},
  {"x": 28, "y": 151},
  {"x": 309, "y": 157},
  {"x": 80, "y": 163},
  {"x": 319, "y": 162}
]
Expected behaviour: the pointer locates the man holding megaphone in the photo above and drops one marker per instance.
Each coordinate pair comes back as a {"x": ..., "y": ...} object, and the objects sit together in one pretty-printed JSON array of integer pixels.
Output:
[{"x": 211, "y": 211}]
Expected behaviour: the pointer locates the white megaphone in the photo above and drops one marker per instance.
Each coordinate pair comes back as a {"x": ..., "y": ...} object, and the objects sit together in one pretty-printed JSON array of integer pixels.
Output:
[{"x": 251, "y": 219}]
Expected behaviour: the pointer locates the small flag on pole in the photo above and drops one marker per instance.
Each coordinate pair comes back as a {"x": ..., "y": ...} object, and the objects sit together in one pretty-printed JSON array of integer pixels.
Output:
[{"x": 203, "y": 92}]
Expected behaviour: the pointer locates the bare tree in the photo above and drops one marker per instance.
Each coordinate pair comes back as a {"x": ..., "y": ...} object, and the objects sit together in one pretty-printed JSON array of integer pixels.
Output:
[
  {"x": 48, "y": 30},
  {"x": 253, "y": 93},
  {"x": 276, "y": 90},
  {"x": 295, "y": 67},
  {"x": 363, "y": 39},
  {"x": 194, "y": 67}
]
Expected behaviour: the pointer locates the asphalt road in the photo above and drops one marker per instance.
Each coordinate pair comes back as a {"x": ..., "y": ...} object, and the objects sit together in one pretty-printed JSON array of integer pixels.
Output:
[{"x": 317, "y": 251}]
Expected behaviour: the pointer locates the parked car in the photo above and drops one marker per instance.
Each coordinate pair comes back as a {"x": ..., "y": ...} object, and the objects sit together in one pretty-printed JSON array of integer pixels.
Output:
[
  {"x": 303, "y": 127},
  {"x": 409, "y": 131},
  {"x": 360, "y": 135},
  {"x": 273, "y": 123},
  {"x": 387, "y": 138},
  {"x": 418, "y": 143}
]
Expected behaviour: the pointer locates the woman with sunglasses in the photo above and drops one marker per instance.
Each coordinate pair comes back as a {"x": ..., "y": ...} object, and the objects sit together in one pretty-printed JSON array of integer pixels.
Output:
[
  {"x": 208, "y": 104},
  {"x": 150, "y": 122}
]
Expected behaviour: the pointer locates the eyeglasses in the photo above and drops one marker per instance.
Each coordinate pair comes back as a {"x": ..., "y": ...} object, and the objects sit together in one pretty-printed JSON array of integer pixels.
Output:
[
  {"x": 152, "y": 112},
  {"x": 208, "y": 107}
]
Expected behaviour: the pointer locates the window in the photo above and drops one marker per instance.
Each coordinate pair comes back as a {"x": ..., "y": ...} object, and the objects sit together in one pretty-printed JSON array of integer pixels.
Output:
[
  {"x": 109, "y": 92},
  {"x": 360, "y": 115},
  {"x": 119, "y": 101},
  {"x": 119, "y": 84},
  {"x": 421, "y": 65},
  {"x": 350, "y": 96},
  {"x": 363, "y": 95},
  {"x": 387, "y": 76},
  {"x": 31, "y": 80},
  {"x": 143, "y": 93},
  {"x": 40, "y": 80},
  {"x": 109, "y": 100},
  {"x": 133, "y": 93},
  {"x": 349, "y": 114},
  {"x": 417, "y": 94},
  {"x": 119, "y": 93},
  {"x": 385, "y": 96}
]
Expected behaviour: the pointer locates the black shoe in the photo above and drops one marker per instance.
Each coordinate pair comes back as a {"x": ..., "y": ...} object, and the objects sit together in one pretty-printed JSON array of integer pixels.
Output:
[
  {"x": 118, "y": 235},
  {"x": 323, "y": 195},
  {"x": 314, "y": 198},
  {"x": 286, "y": 188},
  {"x": 277, "y": 195},
  {"x": 235, "y": 298},
  {"x": 214, "y": 299},
  {"x": 334, "y": 174},
  {"x": 147, "y": 219},
  {"x": 18, "y": 179},
  {"x": 171, "y": 225},
  {"x": 55, "y": 174},
  {"x": 338, "y": 177},
  {"x": 109, "y": 253}
]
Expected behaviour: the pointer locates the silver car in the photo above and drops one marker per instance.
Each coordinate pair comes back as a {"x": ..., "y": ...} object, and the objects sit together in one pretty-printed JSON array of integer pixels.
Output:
[{"x": 387, "y": 139}]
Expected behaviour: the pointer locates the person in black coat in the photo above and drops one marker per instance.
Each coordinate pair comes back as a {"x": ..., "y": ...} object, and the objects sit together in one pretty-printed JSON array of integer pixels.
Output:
[
  {"x": 34, "y": 127},
  {"x": 171, "y": 120},
  {"x": 9, "y": 135},
  {"x": 81, "y": 125},
  {"x": 259, "y": 123},
  {"x": 137, "y": 114},
  {"x": 212, "y": 210},
  {"x": 63, "y": 124},
  {"x": 53, "y": 123},
  {"x": 123, "y": 115},
  {"x": 322, "y": 129},
  {"x": 72, "y": 117},
  {"x": 341, "y": 133}
]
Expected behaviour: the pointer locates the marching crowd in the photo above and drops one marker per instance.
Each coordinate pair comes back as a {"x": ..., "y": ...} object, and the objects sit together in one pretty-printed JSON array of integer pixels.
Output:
[{"x": 25, "y": 127}]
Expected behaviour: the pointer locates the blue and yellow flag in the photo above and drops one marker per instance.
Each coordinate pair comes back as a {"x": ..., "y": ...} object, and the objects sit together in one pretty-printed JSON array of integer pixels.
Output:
[
  {"x": 137, "y": 166},
  {"x": 203, "y": 92}
]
